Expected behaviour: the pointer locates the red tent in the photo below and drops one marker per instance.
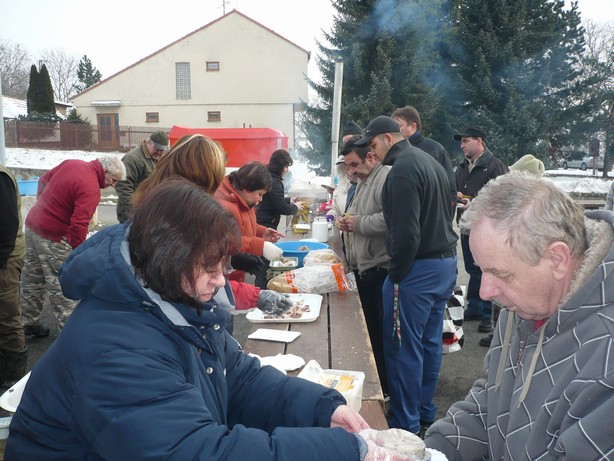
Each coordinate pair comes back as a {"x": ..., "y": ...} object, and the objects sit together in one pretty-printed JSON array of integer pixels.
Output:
[{"x": 242, "y": 145}]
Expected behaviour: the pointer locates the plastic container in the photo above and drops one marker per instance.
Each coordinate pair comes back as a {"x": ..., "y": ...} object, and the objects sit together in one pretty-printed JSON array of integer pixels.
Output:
[
  {"x": 277, "y": 267},
  {"x": 291, "y": 249},
  {"x": 27, "y": 187},
  {"x": 348, "y": 383},
  {"x": 320, "y": 230}
]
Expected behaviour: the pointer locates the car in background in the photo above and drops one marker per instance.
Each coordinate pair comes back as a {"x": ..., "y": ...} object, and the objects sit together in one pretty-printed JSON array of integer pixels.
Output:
[{"x": 579, "y": 159}]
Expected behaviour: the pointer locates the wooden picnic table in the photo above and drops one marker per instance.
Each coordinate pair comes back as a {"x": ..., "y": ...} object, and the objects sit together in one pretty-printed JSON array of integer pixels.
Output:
[{"x": 337, "y": 339}]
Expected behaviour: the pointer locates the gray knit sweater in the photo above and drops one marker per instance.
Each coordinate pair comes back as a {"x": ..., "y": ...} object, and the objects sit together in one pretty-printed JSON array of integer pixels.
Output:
[{"x": 549, "y": 394}]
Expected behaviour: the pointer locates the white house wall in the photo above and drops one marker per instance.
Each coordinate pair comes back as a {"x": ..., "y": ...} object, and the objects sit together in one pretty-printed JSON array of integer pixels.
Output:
[{"x": 261, "y": 78}]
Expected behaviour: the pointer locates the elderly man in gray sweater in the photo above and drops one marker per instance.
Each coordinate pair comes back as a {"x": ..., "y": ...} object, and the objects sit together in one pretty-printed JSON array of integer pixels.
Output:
[
  {"x": 366, "y": 242},
  {"x": 550, "y": 369}
]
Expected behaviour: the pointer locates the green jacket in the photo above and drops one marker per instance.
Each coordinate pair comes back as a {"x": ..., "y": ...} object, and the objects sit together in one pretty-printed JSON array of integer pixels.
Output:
[
  {"x": 139, "y": 165},
  {"x": 12, "y": 240}
]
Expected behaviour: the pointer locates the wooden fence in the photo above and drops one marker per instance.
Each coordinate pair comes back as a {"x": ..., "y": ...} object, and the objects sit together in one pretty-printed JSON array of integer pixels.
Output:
[{"x": 74, "y": 136}]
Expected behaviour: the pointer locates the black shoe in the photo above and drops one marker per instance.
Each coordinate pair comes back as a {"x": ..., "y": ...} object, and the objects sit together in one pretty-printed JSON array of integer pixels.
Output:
[
  {"x": 423, "y": 428},
  {"x": 13, "y": 366},
  {"x": 486, "y": 340},
  {"x": 485, "y": 326},
  {"x": 37, "y": 330}
]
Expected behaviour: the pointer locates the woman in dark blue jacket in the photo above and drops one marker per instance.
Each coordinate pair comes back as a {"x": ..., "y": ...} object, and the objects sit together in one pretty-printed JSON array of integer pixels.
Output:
[{"x": 144, "y": 368}]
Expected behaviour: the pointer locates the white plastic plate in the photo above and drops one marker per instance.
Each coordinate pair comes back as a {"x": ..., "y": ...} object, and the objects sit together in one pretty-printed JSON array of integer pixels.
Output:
[{"x": 314, "y": 301}]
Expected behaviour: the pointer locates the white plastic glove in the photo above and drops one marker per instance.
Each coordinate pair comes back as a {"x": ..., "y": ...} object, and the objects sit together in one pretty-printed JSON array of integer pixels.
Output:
[{"x": 271, "y": 251}]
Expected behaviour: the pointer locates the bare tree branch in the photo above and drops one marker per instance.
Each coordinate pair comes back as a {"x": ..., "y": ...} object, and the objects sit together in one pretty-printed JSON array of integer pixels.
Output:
[{"x": 15, "y": 64}]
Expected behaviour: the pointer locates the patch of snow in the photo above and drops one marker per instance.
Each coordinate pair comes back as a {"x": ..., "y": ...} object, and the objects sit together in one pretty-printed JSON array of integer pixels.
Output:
[{"x": 569, "y": 180}]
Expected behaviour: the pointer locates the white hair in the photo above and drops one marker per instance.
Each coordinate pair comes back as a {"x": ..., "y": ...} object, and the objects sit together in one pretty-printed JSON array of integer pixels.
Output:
[
  {"x": 113, "y": 166},
  {"x": 531, "y": 212}
]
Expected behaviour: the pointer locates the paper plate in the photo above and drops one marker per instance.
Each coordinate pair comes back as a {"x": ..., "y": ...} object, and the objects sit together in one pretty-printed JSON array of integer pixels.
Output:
[
  {"x": 282, "y": 336},
  {"x": 11, "y": 398}
]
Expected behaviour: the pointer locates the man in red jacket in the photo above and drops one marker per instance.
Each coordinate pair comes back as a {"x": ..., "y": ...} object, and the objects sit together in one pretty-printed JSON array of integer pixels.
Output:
[{"x": 57, "y": 223}]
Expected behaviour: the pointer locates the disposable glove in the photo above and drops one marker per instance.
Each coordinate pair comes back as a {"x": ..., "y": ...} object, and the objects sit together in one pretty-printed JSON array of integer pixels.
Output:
[
  {"x": 273, "y": 303},
  {"x": 247, "y": 263},
  {"x": 271, "y": 251},
  {"x": 377, "y": 453}
]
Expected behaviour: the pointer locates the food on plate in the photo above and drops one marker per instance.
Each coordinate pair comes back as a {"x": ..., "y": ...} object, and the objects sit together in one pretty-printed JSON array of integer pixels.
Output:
[
  {"x": 403, "y": 442},
  {"x": 294, "y": 311},
  {"x": 303, "y": 248},
  {"x": 284, "y": 262}
]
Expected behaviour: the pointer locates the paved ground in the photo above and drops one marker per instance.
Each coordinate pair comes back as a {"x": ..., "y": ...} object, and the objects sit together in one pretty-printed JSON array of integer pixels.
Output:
[{"x": 458, "y": 371}]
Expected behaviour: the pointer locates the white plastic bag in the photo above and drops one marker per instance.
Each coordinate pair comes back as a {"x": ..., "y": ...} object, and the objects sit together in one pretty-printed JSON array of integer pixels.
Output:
[
  {"x": 313, "y": 279},
  {"x": 452, "y": 337}
]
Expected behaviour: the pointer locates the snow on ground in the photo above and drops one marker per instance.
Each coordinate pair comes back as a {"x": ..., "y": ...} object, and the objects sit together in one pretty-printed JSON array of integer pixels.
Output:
[{"x": 570, "y": 180}]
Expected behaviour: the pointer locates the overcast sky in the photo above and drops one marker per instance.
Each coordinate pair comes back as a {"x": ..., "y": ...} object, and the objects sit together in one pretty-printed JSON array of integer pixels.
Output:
[{"x": 117, "y": 33}]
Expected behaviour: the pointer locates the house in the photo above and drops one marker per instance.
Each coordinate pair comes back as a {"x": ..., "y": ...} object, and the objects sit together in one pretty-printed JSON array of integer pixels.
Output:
[
  {"x": 231, "y": 73},
  {"x": 13, "y": 108}
]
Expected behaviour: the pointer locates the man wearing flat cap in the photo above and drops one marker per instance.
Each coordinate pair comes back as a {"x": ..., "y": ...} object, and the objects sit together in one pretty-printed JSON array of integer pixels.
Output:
[
  {"x": 477, "y": 168},
  {"x": 350, "y": 129},
  {"x": 421, "y": 243},
  {"x": 139, "y": 162}
]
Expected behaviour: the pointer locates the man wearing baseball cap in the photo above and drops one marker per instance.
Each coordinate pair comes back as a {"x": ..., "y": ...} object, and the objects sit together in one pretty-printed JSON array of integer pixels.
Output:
[
  {"x": 139, "y": 162},
  {"x": 421, "y": 243},
  {"x": 477, "y": 168}
]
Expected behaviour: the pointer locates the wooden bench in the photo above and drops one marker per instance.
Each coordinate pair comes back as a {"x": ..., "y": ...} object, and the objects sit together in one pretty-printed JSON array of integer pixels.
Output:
[{"x": 337, "y": 339}]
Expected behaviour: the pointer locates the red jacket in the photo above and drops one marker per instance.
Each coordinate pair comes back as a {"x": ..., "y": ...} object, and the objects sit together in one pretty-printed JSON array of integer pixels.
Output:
[
  {"x": 67, "y": 199},
  {"x": 251, "y": 231}
]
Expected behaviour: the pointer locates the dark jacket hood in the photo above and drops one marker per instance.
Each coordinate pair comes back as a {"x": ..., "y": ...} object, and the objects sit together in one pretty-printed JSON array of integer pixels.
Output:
[{"x": 98, "y": 269}]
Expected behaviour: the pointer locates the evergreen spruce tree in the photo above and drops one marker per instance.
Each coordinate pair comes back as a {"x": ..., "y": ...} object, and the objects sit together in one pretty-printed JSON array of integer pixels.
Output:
[
  {"x": 87, "y": 74},
  {"x": 33, "y": 89},
  {"x": 47, "y": 100},
  {"x": 392, "y": 56},
  {"x": 515, "y": 62}
]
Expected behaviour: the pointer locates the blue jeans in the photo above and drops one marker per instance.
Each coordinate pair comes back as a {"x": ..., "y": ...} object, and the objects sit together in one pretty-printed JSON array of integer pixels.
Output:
[
  {"x": 413, "y": 357},
  {"x": 477, "y": 308}
]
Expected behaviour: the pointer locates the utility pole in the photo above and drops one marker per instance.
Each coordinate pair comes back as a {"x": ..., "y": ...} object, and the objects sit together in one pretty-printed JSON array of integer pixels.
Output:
[
  {"x": 334, "y": 137},
  {"x": 2, "y": 149}
]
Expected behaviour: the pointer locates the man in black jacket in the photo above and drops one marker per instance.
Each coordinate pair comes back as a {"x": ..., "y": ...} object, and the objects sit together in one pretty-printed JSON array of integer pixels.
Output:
[
  {"x": 421, "y": 274},
  {"x": 410, "y": 124},
  {"x": 478, "y": 167}
]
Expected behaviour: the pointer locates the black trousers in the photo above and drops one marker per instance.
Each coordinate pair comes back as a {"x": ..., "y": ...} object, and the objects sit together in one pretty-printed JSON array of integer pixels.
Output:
[{"x": 369, "y": 286}]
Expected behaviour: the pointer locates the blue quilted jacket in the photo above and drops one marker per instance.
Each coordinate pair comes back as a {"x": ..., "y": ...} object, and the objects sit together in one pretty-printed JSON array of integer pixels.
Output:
[{"x": 132, "y": 377}]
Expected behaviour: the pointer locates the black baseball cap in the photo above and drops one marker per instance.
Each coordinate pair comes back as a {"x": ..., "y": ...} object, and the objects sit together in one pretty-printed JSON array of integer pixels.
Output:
[
  {"x": 471, "y": 132},
  {"x": 379, "y": 125}
]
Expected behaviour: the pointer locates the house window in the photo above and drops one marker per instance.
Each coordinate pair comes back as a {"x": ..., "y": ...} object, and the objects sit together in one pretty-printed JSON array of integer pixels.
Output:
[
  {"x": 213, "y": 66},
  {"x": 214, "y": 116},
  {"x": 182, "y": 80},
  {"x": 152, "y": 117}
]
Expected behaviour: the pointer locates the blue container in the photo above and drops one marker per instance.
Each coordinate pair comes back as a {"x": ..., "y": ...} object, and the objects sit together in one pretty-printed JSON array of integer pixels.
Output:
[
  {"x": 291, "y": 249},
  {"x": 28, "y": 187}
]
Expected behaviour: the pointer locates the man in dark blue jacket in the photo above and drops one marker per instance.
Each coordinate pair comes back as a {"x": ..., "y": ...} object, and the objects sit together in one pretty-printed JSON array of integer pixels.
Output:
[{"x": 421, "y": 274}]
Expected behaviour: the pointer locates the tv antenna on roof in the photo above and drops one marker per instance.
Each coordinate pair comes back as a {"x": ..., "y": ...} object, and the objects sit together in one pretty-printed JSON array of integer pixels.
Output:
[{"x": 224, "y": 2}]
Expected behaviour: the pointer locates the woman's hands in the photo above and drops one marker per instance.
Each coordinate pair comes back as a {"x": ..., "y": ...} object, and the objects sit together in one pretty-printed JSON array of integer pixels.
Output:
[
  {"x": 348, "y": 419},
  {"x": 271, "y": 235}
]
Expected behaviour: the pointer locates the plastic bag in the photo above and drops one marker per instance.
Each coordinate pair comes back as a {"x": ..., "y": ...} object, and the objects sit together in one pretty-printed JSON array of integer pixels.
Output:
[
  {"x": 453, "y": 338},
  {"x": 323, "y": 257},
  {"x": 313, "y": 279}
]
